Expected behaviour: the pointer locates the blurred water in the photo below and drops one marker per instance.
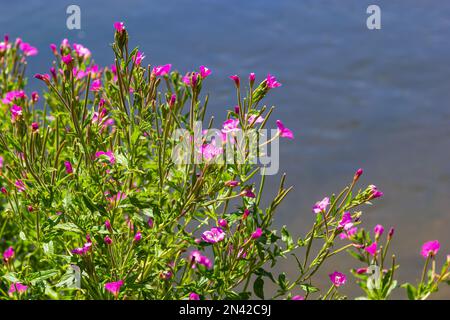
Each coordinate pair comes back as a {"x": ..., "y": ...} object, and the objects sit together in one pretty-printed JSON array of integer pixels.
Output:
[{"x": 353, "y": 97}]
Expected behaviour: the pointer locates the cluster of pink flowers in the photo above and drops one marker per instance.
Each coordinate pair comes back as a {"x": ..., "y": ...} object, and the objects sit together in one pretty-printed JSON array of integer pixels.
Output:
[
  {"x": 13, "y": 95},
  {"x": 8, "y": 254},
  {"x": 109, "y": 155}
]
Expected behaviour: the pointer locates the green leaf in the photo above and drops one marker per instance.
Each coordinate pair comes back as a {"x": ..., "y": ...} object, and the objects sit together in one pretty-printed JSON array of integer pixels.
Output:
[
  {"x": 410, "y": 290},
  {"x": 286, "y": 238},
  {"x": 258, "y": 287},
  {"x": 68, "y": 226}
]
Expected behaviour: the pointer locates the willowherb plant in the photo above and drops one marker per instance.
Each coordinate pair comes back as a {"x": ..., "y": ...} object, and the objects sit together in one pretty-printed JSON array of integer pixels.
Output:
[{"x": 94, "y": 205}]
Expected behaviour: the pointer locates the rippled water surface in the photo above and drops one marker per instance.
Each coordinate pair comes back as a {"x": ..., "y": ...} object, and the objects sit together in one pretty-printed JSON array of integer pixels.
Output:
[{"x": 354, "y": 97}]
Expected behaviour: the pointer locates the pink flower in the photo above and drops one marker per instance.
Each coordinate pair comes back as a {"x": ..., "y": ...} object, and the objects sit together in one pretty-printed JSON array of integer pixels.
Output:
[
  {"x": 34, "y": 96},
  {"x": 272, "y": 82},
  {"x": 81, "y": 51},
  {"x": 16, "y": 113},
  {"x": 223, "y": 223},
  {"x": 378, "y": 230},
  {"x": 375, "y": 193},
  {"x": 17, "y": 287},
  {"x": 13, "y": 95},
  {"x": 231, "y": 125},
  {"x": 197, "y": 258},
  {"x": 150, "y": 223},
  {"x": 20, "y": 186},
  {"x": 372, "y": 249},
  {"x": 257, "y": 233},
  {"x": 322, "y": 205},
  {"x": 84, "y": 249},
  {"x": 283, "y": 131},
  {"x": 8, "y": 254},
  {"x": 138, "y": 58},
  {"x": 96, "y": 85},
  {"x": 346, "y": 221},
  {"x": 430, "y": 248},
  {"x": 204, "y": 71},
  {"x": 28, "y": 50},
  {"x": 214, "y": 235},
  {"x": 53, "y": 48},
  {"x": 251, "y": 78},
  {"x": 119, "y": 26},
  {"x": 391, "y": 233},
  {"x": 68, "y": 166},
  {"x": 248, "y": 193},
  {"x": 67, "y": 59},
  {"x": 108, "y": 225},
  {"x": 246, "y": 214},
  {"x": 298, "y": 297},
  {"x": 114, "y": 287},
  {"x": 162, "y": 70},
  {"x": 338, "y": 278},
  {"x": 257, "y": 119},
  {"x": 137, "y": 237},
  {"x": 34, "y": 126},
  {"x": 194, "y": 296},
  {"x": 236, "y": 80},
  {"x": 210, "y": 151},
  {"x": 108, "y": 240},
  {"x": 3, "y": 190},
  {"x": 1, "y": 162},
  {"x": 43, "y": 77},
  {"x": 348, "y": 233},
  {"x": 231, "y": 183},
  {"x": 108, "y": 154},
  {"x": 361, "y": 270},
  {"x": 30, "y": 209},
  {"x": 358, "y": 173}
]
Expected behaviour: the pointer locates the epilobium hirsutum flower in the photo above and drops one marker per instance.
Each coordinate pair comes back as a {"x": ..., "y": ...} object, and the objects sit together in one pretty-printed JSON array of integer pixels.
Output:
[
  {"x": 28, "y": 50},
  {"x": 232, "y": 183},
  {"x": 43, "y": 77},
  {"x": 230, "y": 125},
  {"x": 114, "y": 287},
  {"x": 374, "y": 192},
  {"x": 298, "y": 297},
  {"x": 96, "y": 85},
  {"x": 223, "y": 223},
  {"x": 13, "y": 95},
  {"x": 255, "y": 119},
  {"x": 248, "y": 193},
  {"x": 81, "y": 51},
  {"x": 251, "y": 78},
  {"x": 138, "y": 58},
  {"x": 338, "y": 278},
  {"x": 107, "y": 240},
  {"x": 137, "y": 237},
  {"x": 8, "y": 254},
  {"x": 162, "y": 70},
  {"x": 68, "y": 166},
  {"x": 257, "y": 233},
  {"x": 16, "y": 113},
  {"x": 346, "y": 222},
  {"x": 283, "y": 131},
  {"x": 430, "y": 248},
  {"x": 108, "y": 154},
  {"x": 348, "y": 233},
  {"x": 378, "y": 230},
  {"x": 321, "y": 206},
  {"x": 119, "y": 26},
  {"x": 390, "y": 233},
  {"x": 197, "y": 258},
  {"x": 236, "y": 80},
  {"x": 358, "y": 173},
  {"x": 108, "y": 225},
  {"x": 20, "y": 186},
  {"x": 34, "y": 127},
  {"x": 17, "y": 287},
  {"x": 204, "y": 71},
  {"x": 272, "y": 82},
  {"x": 34, "y": 97},
  {"x": 214, "y": 235},
  {"x": 82, "y": 250},
  {"x": 194, "y": 296},
  {"x": 67, "y": 59},
  {"x": 372, "y": 249}
]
